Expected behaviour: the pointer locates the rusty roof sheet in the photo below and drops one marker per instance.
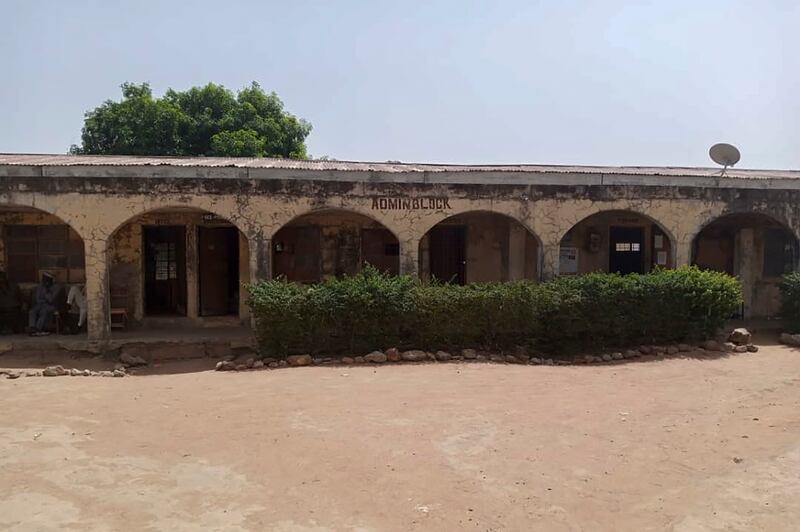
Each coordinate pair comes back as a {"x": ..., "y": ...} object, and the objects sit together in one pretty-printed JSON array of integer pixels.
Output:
[{"x": 12, "y": 159}]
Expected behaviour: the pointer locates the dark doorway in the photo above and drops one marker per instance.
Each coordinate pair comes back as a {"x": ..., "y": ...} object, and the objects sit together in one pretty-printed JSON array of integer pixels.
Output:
[
  {"x": 297, "y": 254},
  {"x": 379, "y": 248},
  {"x": 626, "y": 250},
  {"x": 218, "y": 252},
  {"x": 165, "y": 270},
  {"x": 448, "y": 253}
]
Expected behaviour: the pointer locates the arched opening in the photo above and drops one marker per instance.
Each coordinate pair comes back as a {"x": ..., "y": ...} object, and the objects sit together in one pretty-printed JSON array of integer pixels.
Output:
[
  {"x": 615, "y": 241},
  {"x": 35, "y": 245},
  {"x": 176, "y": 262},
  {"x": 753, "y": 247},
  {"x": 479, "y": 246},
  {"x": 332, "y": 243}
]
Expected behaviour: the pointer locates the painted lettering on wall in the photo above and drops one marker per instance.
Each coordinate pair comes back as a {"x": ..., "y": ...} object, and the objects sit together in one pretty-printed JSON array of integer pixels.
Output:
[{"x": 408, "y": 204}]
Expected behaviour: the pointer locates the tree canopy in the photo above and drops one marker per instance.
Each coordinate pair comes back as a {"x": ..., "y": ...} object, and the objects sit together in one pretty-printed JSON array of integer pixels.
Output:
[{"x": 209, "y": 120}]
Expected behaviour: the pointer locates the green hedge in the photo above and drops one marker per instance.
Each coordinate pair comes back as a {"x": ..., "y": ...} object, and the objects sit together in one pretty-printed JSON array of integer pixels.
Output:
[
  {"x": 374, "y": 311},
  {"x": 790, "y": 302}
]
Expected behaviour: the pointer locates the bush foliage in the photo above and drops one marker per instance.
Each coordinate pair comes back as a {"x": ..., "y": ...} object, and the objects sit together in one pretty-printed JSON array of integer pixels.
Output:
[
  {"x": 790, "y": 302},
  {"x": 372, "y": 310}
]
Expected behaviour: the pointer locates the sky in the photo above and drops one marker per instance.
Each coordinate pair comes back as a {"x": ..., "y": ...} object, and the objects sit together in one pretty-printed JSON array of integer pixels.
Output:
[{"x": 450, "y": 81}]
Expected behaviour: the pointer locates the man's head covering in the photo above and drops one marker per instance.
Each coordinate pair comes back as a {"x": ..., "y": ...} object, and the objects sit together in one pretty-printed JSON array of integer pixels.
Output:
[{"x": 48, "y": 276}]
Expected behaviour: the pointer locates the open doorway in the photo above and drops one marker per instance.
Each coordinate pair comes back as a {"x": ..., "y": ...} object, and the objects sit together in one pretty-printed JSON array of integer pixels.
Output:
[
  {"x": 626, "y": 250},
  {"x": 448, "y": 250},
  {"x": 165, "y": 270},
  {"x": 218, "y": 251}
]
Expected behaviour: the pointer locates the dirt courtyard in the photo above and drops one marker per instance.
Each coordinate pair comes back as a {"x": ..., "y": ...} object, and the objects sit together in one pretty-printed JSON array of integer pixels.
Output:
[{"x": 678, "y": 444}]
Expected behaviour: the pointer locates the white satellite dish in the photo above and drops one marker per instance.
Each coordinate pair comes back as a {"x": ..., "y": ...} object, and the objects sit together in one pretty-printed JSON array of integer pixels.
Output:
[{"x": 724, "y": 154}]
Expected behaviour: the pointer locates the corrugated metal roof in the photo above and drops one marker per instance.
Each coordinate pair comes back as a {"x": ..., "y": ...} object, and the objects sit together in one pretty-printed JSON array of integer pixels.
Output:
[{"x": 37, "y": 160}]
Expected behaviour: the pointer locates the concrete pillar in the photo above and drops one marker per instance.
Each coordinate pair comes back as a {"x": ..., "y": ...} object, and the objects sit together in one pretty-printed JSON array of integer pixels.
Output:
[
  {"x": 747, "y": 267},
  {"x": 424, "y": 262},
  {"x": 97, "y": 292},
  {"x": 260, "y": 257},
  {"x": 244, "y": 277},
  {"x": 517, "y": 236},
  {"x": 682, "y": 251},
  {"x": 192, "y": 270},
  {"x": 409, "y": 256},
  {"x": 550, "y": 257}
]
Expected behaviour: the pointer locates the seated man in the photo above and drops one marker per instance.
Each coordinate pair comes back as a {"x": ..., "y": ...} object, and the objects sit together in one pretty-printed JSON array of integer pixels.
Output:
[
  {"x": 44, "y": 305},
  {"x": 76, "y": 301},
  {"x": 10, "y": 306}
]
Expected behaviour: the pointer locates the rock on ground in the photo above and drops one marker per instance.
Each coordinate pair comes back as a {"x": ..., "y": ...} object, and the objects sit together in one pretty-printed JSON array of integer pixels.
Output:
[
  {"x": 376, "y": 357},
  {"x": 740, "y": 336},
  {"x": 132, "y": 360},
  {"x": 298, "y": 360},
  {"x": 225, "y": 365},
  {"x": 414, "y": 356},
  {"x": 54, "y": 371},
  {"x": 469, "y": 354},
  {"x": 711, "y": 345},
  {"x": 393, "y": 354}
]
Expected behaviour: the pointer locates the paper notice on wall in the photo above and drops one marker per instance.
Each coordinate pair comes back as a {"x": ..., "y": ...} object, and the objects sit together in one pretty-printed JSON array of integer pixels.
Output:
[
  {"x": 568, "y": 261},
  {"x": 661, "y": 258},
  {"x": 658, "y": 241}
]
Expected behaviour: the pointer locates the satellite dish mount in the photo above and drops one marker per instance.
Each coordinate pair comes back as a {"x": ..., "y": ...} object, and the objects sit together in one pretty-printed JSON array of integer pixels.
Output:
[{"x": 724, "y": 154}]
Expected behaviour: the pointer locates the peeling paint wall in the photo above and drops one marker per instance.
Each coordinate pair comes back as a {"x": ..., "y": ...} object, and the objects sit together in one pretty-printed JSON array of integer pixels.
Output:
[
  {"x": 591, "y": 237},
  {"x": 126, "y": 260},
  {"x": 97, "y": 202},
  {"x": 343, "y": 245},
  {"x": 489, "y": 255},
  {"x": 13, "y": 218}
]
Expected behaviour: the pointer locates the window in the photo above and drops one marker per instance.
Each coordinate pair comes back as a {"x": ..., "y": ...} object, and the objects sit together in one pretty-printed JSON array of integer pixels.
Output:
[
  {"x": 627, "y": 246},
  {"x": 780, "y": 252},
  {"x": 166, "y": 261},
  {"x": 33, "y": 249}
]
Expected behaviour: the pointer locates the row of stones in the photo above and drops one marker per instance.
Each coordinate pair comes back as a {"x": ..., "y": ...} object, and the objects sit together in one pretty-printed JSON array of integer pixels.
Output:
[
  {"x": 126, "y": 361},
  {"x": 790, "y": 339},
  {"x": 394, "y": 355},
  {"x": 60, "y": 371}
]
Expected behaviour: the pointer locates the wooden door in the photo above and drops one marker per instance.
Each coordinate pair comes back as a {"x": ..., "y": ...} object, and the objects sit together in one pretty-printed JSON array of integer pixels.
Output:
[
  {"x": 297, "y": 254},
  {"x": 218, "y": 253},
  {"x": 448, "y": 253},
  {"x": 379, "y": 248},
  {"x": 626, "y": 250}
]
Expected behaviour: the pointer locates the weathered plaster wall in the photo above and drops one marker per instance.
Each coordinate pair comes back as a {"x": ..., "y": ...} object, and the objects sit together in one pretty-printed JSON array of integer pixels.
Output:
[
  {"x": 737, "y": 245},
  {"x": 490, "y": 255},
  {"x": 341, "y": 249},
  {"x": 11, "y": 217},
  {"x": 126, "y": 260},
  {"x": 96, "y": 202},
  {"x": 595, "y": 257}
]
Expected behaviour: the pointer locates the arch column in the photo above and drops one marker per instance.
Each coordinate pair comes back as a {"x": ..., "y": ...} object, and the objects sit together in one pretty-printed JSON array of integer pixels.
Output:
[
  {"x": 409, "y": 256},
  {"x": 551, "y": 250},
  {"x": 97, "y": 293},
  {"x": 260, "y": 249},
  {"x": 683, "y": 252}
]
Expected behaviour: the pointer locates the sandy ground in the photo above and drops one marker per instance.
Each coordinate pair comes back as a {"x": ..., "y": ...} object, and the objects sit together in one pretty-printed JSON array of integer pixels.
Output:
[{"x": 678, "y": 444}]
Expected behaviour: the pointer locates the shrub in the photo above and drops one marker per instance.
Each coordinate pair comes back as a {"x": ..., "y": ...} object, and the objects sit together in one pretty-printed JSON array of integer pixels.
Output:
[
  {"x": 372, "y": 310},
  {"x": 790, "y": 301}
]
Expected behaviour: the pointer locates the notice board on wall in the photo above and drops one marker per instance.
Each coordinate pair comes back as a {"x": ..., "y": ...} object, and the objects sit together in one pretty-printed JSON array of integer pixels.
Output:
[{"x": 568, "y": 261}]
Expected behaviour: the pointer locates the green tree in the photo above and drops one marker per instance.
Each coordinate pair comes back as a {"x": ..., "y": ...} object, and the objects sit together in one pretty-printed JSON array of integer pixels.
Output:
[{"x": 208, "y": 120}]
